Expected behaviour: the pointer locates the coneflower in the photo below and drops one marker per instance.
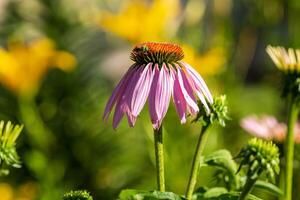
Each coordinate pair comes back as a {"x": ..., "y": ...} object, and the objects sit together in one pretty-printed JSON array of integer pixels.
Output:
[
  {"x": 268, "y": 128},
  {"x": 288, "y": 61},
  {"x": 157, "y": 75}
]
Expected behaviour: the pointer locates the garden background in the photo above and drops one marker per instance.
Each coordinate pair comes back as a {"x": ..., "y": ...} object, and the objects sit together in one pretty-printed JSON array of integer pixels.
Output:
[{"x": 65, "y": 57}]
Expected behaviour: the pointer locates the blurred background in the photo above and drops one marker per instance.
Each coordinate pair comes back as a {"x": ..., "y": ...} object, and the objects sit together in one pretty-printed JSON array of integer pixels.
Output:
[{"x": 60, "y": 60}]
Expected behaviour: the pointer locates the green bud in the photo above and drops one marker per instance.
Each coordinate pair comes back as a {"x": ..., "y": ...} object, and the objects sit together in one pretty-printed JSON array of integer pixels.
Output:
[
  {"x": 260, "y": 156},
  {"x": 8, "y": 154},
  {"x": 77, "y": 195},
  {"x": 218, "y": 112}
]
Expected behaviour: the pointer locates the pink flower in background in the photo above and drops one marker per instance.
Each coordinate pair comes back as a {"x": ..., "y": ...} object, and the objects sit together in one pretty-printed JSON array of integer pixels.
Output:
[
  {"x": 157, "y": 75},
  {"x": 268, "y": 128}
]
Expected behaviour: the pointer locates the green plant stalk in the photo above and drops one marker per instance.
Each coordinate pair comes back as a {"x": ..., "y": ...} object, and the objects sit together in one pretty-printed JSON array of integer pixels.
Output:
[
  {"x": 196, "y": 163},
  {"x": 289, "y": 149},
  {"x": 159, "y": 157},
  {"x": 40, "y": 135},
  {"x": 248, "y": 187}
]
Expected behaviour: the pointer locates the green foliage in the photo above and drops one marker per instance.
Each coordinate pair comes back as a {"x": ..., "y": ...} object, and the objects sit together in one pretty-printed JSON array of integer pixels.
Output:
[
  {"x": 130, "y": 194},
  {"x": 260, "y": 156},
  {"x": 269, "y": 187},
  {"x": 222, "y": 196},
  {"x": 214, "y": 192},
  {"x": 77, "y": 195},
  {"x": 8, "y": 154},
  {"x": 223, "y": 160},
  {"x": 218, "y": 112}
]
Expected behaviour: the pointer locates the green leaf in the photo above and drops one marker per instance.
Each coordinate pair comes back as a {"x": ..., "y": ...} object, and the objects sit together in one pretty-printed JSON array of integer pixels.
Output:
[
  {"x": 226, "y": 196},
  {"x": 130, "y": 194},
  {"x": 235, "y": 196},
  {"x": 223, "y": 159},
  {"x": 215, "y": 192},
  {"x": 269, "y": 187}
]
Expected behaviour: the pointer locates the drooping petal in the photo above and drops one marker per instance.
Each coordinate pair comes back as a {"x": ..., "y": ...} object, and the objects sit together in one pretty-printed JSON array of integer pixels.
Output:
[
  {"x": 178, "y": 97},
  {"x": 118, "y": 91},
  {"x": 163, "y": 93},
  {"x": 188, "y": 79},
  {"x": 187, "y": 93},
  {"x": 122, "y": 103},
  {"x": 141, "y": 90},
  {"x": 151, "y": 98},
  {"x": 118, "y": 115},
  {"x": 198, "y": 81}
]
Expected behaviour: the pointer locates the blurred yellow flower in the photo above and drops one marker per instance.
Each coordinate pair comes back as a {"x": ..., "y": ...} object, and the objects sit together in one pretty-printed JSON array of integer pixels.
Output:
[
  {"x": 139, "y": 21},
  {"x": 6, "y": 192},
  {"x": 209, "y": 63},
  {"x": 27, "y": 191},
  {"x": 23, "y": 65}
]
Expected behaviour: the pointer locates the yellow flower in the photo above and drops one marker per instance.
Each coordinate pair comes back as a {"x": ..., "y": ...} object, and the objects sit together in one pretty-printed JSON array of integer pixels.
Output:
[
  {"x": 139, "y": 21},
  {"x": 209, "y": 63},
  {"x": 285, "y": 60},
  {"x": 23, "y": 65},
  {"x": 6, "y": 192},
  {"x": 27, "y": 191}
]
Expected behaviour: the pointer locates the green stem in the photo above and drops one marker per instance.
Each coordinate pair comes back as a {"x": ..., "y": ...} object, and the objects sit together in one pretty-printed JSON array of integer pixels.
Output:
[
  {"x": 40, "y": 135},
  {"x": 159, "y": 156},
  {"x": 289, "y": 149},
  {"x": 196, "y": 163},
  {"x": 247, "y": 188}
]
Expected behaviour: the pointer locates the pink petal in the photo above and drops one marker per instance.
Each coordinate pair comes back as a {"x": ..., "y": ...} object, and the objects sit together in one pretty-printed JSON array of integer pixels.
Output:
[
  {"x": 117, "y": 92},
  {"x": 198, "y": 81},
  {"x": 151, "y": 98},
  {"x": 187, "y": 92},
  {"x": 122, "y": 103},
  {"x": 178, "y": 98},
  {"x": 141, "y": 90},
  {"x": 163, "y": 93}
]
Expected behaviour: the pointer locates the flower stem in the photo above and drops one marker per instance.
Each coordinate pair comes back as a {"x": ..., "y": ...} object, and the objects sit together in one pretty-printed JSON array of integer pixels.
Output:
[
  {"x": 196, "y": 163},
  {"x": 247, "y": 188},
  {"x": 289, "y": 149},
  {"x": 159, "y": 156},
  {"x": 40, "y": 135}
]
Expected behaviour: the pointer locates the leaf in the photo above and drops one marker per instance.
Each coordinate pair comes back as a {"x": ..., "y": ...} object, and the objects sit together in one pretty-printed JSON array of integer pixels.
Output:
[
  {"x": 223, "y": 159},
  {"x": 269, "y": 187},
  {"x": 130, "y": 194},
  {"x": 235, "y": 196},
  {"x": 215, "y": 192},
  {"x": 226, "y": 196}
]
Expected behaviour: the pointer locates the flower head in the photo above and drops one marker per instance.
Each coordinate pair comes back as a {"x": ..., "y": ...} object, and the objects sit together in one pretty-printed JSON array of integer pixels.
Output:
[
  {"x": 259, "y": 156},
  {"x": 268, "y": 128},
  {"x": 8, "y": 154},
  {"x": 219, "y": 112},
  {"x": 77, "y": 195},
  {"x": 157, "y": 75},
  {"x": 286, "y": 60},
  {"x": 155, "y": 18},
  {"x": 23, "y": 65}
]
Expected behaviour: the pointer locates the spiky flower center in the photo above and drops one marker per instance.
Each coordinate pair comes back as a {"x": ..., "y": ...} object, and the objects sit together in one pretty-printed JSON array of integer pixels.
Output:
[
  {"x": 156, "y": 52},
  {"x": 260, "y": 156}
]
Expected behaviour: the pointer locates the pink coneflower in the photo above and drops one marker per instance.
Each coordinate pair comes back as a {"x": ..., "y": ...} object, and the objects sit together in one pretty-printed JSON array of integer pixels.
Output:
[
  {"x": 268, "y": 128},
  {"x": 157, "y": 75}
]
